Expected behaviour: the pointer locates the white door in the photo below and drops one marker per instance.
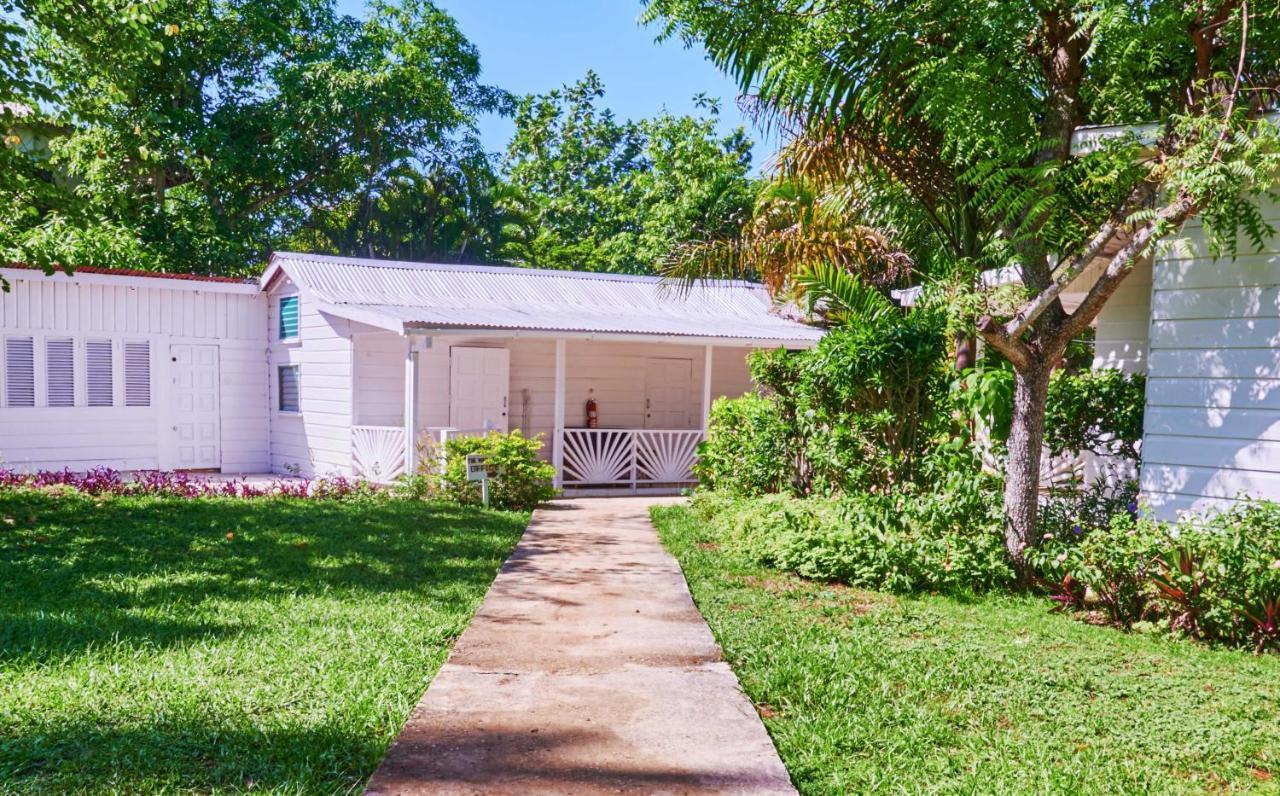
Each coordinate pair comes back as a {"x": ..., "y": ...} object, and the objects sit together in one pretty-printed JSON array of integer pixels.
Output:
[
  {"x": 478, "y": 383},
  {"x": 668, "y": 393},
  {"x": 195, "y": 435}
]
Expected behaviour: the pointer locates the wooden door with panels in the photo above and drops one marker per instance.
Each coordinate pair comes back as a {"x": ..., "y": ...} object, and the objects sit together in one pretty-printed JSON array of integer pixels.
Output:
[
  {"x": 479, "y": 380},
  {"x": 668, "y": 393},
  {"x": 195, "y": 428}
]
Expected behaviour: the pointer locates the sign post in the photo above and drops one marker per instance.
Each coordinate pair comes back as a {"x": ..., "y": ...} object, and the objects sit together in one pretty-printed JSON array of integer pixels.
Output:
[{"x": 478, "y": 470}]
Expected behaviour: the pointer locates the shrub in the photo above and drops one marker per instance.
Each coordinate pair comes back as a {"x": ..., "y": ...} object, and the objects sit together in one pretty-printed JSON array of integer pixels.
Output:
[
  {"x": 1098, "y": 410},
  {"x": 1223, "y": 574},
  {"x": 1215, "y": 576},
  {"x": 904, "y": 542},
  {"x": 749, "y": 449},
  {"x": 859, "y": 411},
  {"x": 521, "y": 480},
  {"x": 1114, "y": 562}
]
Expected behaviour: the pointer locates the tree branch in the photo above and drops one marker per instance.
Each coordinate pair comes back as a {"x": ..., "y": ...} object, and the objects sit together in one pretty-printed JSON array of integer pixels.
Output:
[
  {"x": 1026, "y": 316},
  {"x": 1170, "y": 216},
  {"x": 1014, "y": 349}
]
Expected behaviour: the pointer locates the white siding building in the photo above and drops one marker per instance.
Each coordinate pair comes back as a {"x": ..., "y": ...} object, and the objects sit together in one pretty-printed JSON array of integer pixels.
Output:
[
  {"x": 1212, "y": 356},
  {"x": 132, "y": 371},
  {"x": 333, "y": 365}
]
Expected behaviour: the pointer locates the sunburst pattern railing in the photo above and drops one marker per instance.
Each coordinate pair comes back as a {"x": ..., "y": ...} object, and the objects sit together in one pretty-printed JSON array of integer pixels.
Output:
[
  {"x": 378, "y": 452},
  {"x": 629, "y": 457}
]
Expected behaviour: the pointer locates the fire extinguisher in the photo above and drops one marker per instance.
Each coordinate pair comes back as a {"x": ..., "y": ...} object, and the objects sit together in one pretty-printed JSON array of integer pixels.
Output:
[{"x": 593, "y": 412}]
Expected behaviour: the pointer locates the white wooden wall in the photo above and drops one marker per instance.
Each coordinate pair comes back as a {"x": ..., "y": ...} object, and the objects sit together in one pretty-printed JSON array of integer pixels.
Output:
[
  {"x": 315, "y": 441},
  {"x": 162, "y": 312},
  {"x": 1213, "y": 391},
  {"x": 1123, "y": 325}
]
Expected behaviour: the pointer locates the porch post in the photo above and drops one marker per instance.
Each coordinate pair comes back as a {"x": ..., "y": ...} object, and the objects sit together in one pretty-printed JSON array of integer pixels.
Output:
[
  {"x": 557, "y": 449},
  {"x": 411, "y": 407},
  {"x": 706, "y": 387}
]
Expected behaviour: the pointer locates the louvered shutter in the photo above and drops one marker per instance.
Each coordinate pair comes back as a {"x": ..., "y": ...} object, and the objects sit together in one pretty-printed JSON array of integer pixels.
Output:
[
  {"x": 19, "y": 371},
  {"x": 98, "y": 372},
  {"x": 288, "y": 317},
  {"x": 60, "y": 370},
  {"x": 289, "y": 388},
  {"x": 137, "y": 373}
]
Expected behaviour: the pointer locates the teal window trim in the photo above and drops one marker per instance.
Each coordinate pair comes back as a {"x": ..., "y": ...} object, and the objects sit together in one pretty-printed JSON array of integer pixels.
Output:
[{"x": 289, "y": 317}]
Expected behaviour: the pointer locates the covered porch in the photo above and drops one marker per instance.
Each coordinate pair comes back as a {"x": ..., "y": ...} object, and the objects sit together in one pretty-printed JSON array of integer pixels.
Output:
[{"x": 413, "y": 392}]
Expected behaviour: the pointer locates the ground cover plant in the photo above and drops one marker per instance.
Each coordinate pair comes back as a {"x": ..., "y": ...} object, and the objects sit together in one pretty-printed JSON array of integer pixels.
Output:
[
  {"x": 155, "y": 644},
  {"x": 171, "y": 483},
  {"x": 868, "y": 692}
]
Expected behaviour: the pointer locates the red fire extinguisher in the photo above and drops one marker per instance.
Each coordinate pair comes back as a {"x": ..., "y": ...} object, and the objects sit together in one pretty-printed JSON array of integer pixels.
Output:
[{"x": 593, "y": 412}]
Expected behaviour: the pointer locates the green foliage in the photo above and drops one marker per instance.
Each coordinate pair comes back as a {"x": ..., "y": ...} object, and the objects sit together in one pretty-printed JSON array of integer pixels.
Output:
[
  {"x": 841, "y": 297},
  {"x": 1214, "y": 576},
  {"x": 750, "y": 447},
  {"x": 521, "y": 482},
  {"x": 1114, "y": 563},
  {"x": 937, "y": 541},
  {"x": 1097, "y": 410},
  {"x": 609, "y": 195},
  {"x": 865, "y": 401},
  {"x": 1100, "y": 411},
  {"x": 235, "y": 126},
  {"x": 1220, "y": 575},
  {"x": 858, "y": 411}
]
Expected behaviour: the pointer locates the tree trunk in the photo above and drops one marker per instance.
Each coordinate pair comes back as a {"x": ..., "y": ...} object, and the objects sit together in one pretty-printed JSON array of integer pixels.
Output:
[
  {"x": 1022, "y": 476},
  {"x": 966, "y": 351}
]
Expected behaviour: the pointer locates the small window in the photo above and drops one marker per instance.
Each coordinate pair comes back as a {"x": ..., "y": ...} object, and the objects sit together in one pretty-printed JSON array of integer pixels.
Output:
[
  {"x": 289, "y": 383},
  {"x": 60, "y": 368},
  {"x": 137, "y": 373},
  {"x": 19, "y": 371},
  {"x": 99, "y": 376},
  {"x": 288, "y": 317}
]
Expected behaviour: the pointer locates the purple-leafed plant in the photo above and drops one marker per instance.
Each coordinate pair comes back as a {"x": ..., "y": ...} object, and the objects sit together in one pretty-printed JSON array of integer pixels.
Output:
[
  {"x": 165, "y": 483},
  {"x": 1180, "y": 583}
]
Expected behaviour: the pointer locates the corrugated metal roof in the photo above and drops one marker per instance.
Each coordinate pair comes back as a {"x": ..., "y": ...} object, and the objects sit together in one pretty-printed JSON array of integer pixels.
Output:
[{"x": 407, "y": 296}]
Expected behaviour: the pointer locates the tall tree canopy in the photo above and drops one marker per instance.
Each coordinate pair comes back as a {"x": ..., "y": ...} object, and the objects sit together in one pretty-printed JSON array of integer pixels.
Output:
[
  {"x": 235, "y": 124},
  {"x": 969, "y": 112},
  {"x": 610, "y": 195}
]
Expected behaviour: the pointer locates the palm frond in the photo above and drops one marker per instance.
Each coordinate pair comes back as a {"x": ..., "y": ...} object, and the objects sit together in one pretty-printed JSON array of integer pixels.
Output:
[{"x": 840, "y": 296}]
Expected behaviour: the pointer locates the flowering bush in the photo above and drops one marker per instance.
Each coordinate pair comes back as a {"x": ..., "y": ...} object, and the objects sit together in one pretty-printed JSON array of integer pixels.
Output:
[
  {"x": 1114, "y": 563},
  {"x": 1214, "y": 576},
  {"x": 163, "y": 483}
]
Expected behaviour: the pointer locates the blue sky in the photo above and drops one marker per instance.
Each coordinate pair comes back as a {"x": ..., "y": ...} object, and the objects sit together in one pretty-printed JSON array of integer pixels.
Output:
[{"x": 529, "y": 46}]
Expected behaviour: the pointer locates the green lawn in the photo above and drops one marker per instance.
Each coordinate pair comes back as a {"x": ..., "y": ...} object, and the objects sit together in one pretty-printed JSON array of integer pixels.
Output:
[
  {"x": 160, "y": 645},
  {"x": 868, "y": 693}
]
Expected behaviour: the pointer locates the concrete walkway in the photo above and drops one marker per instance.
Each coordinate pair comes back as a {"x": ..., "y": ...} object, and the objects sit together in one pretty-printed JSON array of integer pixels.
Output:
[{"x": 586, "y": 670}]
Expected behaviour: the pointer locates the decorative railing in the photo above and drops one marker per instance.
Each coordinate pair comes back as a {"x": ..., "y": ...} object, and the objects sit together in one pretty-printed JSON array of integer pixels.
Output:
[
  {"x": 378, "y": 452},
  {"x": 629, "y": 457}
]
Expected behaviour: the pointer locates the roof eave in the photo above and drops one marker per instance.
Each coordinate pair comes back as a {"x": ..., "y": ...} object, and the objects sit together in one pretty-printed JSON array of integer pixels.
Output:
[{"x": 427, "y": 330}]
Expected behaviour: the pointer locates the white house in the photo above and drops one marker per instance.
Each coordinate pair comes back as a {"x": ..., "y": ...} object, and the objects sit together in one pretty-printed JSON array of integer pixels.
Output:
[
  {"x": 332, "y": 365},
  {"x": 1206, "y": 332}
]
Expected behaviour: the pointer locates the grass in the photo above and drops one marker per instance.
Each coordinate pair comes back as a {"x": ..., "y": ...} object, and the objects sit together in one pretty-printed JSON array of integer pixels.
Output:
[
  {"x": 868, "y": 693},
  {"x": 175, "y": 646}
]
